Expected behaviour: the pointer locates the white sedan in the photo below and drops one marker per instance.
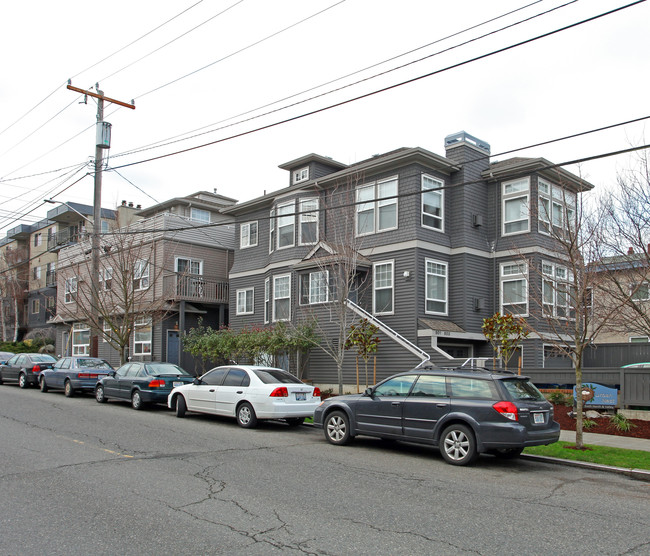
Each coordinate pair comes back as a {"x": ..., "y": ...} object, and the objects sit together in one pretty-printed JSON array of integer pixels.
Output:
[{"x": 247, "y": 393}]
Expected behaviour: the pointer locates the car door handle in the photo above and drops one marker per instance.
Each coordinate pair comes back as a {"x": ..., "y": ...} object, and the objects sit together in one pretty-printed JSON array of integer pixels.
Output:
[
  {"x": 395, "y": 403},
  {"x": 211, "y": 390},
  {"x": 240, "y": 391},
  {"x": 441, "y": 405}
]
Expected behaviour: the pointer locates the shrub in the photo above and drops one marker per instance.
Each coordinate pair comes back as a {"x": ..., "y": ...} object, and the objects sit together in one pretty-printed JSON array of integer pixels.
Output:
[
  {"x": 588, "y": 424},
  {"x": 620, "y": 422}
]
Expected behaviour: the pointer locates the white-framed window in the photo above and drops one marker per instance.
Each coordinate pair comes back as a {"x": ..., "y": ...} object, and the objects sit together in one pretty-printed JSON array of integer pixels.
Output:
[
  {"x": 308, "y": 218},
  {"x": 141, "y": 275},
  {"x": 80, "y": 339},
  {"x": 286, "y": 224},
  {"x": 436, "y": 287},
  {"x": 245, "y": 301},
  {"x": 638, "y": 339},
  {"x": 187, "y": 266},
  {"x": 103, "y": 226},
  {"x": 314, "y": 287},
  {"x": 35, "y": 306},
  {"x": 557, "y": 291},
  {"x": 70, "y": 291},
  {"x": 267, "y": 300},
  {"x": 377, "y": 207},
  {"x": 38, "y": 239},
  {"x": 514, "y": 288},
  {"x": 200, "y": 215},
  {"x": 282, "y": 297},
  {"x": 515, "y": 205},
  {"x": 432, "y": 203},
  {"x": 248, "y": 235},
  {"x": 272, "y": 233},
  {"x": 556, "y": 207},
  {"x": 106, "y": 329},
  {"x": 36, "y": 273},
  {"x": 142, "y": 332},
  {"x": 383, "y": 298},
  {"x": 301, "y": 175},
  {"x": 640, "y": 291},
  {"x": 106, "y": 278}
]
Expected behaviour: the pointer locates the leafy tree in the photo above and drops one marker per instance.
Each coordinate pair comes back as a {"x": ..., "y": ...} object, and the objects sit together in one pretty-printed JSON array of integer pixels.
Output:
[
  {"x": 504, "y": 332},
  {"x": 362, "y": 338}
]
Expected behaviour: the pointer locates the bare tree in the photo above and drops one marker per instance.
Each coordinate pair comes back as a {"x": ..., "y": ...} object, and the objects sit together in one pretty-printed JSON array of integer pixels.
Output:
[
  {"x": 13, "y": 286},
  {"x": 340, "y": 275},
  {"x": 562, "y": 281},
  {"x": 128, "y": 292},
  {"x": 625, "y": 259}
]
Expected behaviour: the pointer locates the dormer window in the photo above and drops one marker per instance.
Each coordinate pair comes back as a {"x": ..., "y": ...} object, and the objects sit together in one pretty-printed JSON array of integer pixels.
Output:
[{"x": 301, "y": 175}]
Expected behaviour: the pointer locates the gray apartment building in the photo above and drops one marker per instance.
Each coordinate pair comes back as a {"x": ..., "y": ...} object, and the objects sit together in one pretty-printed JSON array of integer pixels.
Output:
[{"x": 438, "y": 243}]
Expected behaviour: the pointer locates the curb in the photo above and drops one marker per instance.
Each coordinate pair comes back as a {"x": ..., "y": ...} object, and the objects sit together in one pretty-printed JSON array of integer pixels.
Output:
[{"x": 638, "y": 474}]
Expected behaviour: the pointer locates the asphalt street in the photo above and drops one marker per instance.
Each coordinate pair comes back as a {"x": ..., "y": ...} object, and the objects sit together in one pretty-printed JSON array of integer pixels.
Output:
[{"x": 77, "y": 477}]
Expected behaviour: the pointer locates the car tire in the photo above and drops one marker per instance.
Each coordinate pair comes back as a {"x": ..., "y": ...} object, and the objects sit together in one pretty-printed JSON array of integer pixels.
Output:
[
  {"x": 458, "y": 445},
  {"x": 506, "y": 453},
  {"x": 22, "y": 380},
  {"x": 246, "y": 416},
  {"x": 295, "y": 421},
  {"x": 100, "y": 396},
  {"x": 136, "y": 400},
  {"x": 337, "y": 428},
  {"x": 181, "y": 406},
  {"x": 43, "y": 385},
  {"x": 68, "y": 390}
]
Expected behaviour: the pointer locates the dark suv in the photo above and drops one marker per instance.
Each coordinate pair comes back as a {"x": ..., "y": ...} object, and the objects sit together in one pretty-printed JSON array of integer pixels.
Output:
[{"x": 463, "y": 412}]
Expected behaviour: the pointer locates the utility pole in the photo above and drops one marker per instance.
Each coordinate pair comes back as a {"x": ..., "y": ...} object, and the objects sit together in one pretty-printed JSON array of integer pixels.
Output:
[{"x": 103, "y": 141}]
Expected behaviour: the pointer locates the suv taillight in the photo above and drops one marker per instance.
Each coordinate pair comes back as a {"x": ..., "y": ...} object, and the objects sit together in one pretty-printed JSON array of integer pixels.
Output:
[
  {"x": 508, "y": 410},
  {"x": 280, "y": 392}
]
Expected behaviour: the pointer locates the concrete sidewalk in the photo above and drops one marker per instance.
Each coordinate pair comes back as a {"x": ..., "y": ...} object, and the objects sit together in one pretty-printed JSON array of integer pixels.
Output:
[{"x": 611, "y": 440}]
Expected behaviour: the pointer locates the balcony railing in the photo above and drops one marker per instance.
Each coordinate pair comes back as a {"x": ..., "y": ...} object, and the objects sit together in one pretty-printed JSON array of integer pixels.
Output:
[
  {"x": 195, "y": 288},
  {"x": 64, "y": 237}
]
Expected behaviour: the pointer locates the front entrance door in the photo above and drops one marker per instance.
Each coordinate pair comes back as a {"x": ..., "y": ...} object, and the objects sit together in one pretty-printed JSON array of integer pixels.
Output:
[{"x": 173, "y": 343}]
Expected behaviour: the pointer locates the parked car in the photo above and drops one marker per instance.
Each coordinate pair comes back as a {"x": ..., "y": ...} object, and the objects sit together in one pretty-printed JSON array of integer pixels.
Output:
[
  {"x": 25, "y": 368},
  {"x": 5, "y": 356},
  {"x": 248, "y": 393},
  {"x": 73, "y": 374},
  {"x": 141, "y": 383},
  {"x": 643, "y": 365},
  {"x": 462, "y": 412}
]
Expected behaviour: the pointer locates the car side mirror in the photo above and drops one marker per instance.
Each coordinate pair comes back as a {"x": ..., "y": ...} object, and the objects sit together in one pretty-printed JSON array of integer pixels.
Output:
[
  {"x": 197, "y": 381},
  {"x": 368, "y": 392},
  {"x": 112, "y": 373}
]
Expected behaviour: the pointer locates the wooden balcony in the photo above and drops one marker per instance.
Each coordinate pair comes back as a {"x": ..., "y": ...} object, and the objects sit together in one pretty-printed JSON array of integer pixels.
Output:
[{"x": 200, "y": 289}]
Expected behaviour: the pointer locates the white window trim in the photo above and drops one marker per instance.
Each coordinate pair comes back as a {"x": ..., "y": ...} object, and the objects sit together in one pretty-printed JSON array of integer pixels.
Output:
[
  {"x": 106, "y": 278},
  {"x": 514, "y": 277},
  {"x": 245, "y": 292},
  {"x": 246, "y": 227},
  {"x": 267, "y": 300},
  {"x": 35, "y": 307},
  {"x": 275, "y": 279},
  {"x": 302, "y": 214},
  {"x": 190, "y": 260},
  {"x": 446, "y": 277},
  {"x": 142, "y": 321},
  {"x": 140, "y": 272},
  {"x": 70, "y": 290},
  {"x": 643, "y": 339},
  {"x": 523, "y": 194},
  {"x": 376, "y": 203},
  {"x": 272, "y": 230},
  {"x": 80, "y": 349},
  {"x": 374, "y": 287},
  {"x": 279, "y": 217},
  {"x": 310, "y": 300},
  {"x": 106, "y": 331},
  {"x": 195, "y": 210},
  {"x": 300, "y": 175},
  {"x": 441, "y": 192}
]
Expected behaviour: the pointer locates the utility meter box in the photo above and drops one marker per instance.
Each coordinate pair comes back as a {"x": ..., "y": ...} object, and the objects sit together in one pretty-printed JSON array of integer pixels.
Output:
[{"x": 103, "y": 135}]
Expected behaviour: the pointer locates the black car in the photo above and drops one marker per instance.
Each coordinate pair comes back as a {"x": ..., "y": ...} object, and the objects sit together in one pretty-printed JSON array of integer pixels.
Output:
[
  {"x": 463, "y": 412},
  {"x": 5, "y": 356},
  {"x": 25, "y": 368},
  {"x": 141, "y": 383}
]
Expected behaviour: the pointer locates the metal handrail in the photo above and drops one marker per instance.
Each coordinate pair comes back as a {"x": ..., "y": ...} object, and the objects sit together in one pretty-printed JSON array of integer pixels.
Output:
[{"x": 415, "y": 350}]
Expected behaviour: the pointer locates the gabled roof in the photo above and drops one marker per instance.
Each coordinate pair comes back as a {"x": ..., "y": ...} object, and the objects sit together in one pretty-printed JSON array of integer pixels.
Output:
[
  {"x": 323, "y": 254},
  {"x": 519, "y": 166}
]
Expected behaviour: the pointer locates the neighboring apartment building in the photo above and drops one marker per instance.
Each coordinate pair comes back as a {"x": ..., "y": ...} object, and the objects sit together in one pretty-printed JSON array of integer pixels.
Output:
[
  {"x": 439, "y": 244},
  {"x": 41, "y": 302},
  {"x": 14, "y": 278},
  {"x": 159, "y": 275}
]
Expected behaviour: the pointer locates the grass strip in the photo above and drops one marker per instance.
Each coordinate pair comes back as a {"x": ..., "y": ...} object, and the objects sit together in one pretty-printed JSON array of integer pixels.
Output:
[{"x": 604, "y": 455}]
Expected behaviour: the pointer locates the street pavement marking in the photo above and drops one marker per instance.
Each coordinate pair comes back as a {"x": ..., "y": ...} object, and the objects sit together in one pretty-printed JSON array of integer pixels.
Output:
[{"x": 94, "y": 447}]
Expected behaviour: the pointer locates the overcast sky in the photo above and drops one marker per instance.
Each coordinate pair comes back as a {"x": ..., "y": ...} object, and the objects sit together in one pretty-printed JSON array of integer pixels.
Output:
[{"x": 204, "y": 71}]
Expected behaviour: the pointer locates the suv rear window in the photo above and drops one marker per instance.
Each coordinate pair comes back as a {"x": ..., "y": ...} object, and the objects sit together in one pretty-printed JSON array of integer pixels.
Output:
[
  {"x": 472, "y": 388},
  {"x": 522, "y": 389}
]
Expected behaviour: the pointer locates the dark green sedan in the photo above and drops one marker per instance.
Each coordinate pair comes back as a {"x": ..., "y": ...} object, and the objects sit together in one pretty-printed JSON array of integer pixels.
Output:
[{"x": 141, "y": 383}]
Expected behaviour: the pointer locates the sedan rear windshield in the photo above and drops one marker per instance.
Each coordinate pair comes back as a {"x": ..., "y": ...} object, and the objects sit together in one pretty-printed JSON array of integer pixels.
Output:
[
  {"x": 522, "y": 389},
  {"x": 158, "y": 369},
  {"x": 42, "y": 358},
  {"x": 93, "y": 364},
  {"x": 275, "y": 376}
]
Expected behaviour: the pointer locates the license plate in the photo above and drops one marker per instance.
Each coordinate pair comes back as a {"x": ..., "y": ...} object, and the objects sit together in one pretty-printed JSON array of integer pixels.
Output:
[
  {"x": 301, "y": 396},
  {"x": 538, "y": 418},
  {"x": 177, "y": 383}
]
